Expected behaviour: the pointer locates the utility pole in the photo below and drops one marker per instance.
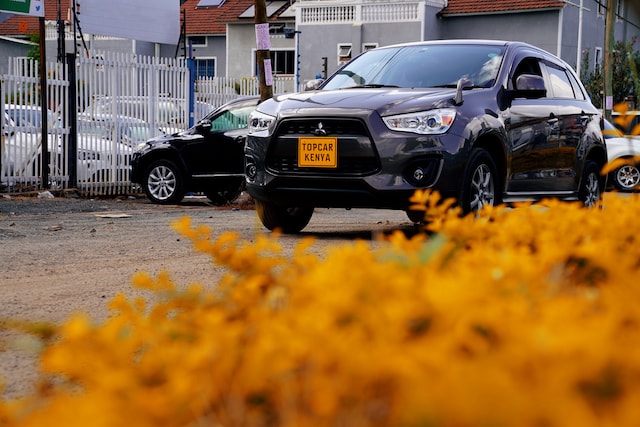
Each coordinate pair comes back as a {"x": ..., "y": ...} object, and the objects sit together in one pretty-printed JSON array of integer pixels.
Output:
[
  {"x": 263, "y": 56},
  {"x": 61, "y": 36},
  {"x": 608, "y": 59}
]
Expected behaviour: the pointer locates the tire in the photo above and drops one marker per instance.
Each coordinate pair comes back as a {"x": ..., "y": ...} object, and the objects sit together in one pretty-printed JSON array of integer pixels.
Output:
[
  {"x": 591, "y": 185},
  {"x": 415, "y": 216},
  {"x": 626, "y": 177},
  {"x": 224, "y": 197},
  {"x": 480, "y": 182},
  {"x": 163, "y": 183},
  {"x": 287, "y": 220}
]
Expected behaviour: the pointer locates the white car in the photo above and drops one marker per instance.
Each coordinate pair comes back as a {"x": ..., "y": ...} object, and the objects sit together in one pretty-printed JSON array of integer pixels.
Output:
[
  {"x": 99, "y": 159},
  {"x": 624, "y": 150}
]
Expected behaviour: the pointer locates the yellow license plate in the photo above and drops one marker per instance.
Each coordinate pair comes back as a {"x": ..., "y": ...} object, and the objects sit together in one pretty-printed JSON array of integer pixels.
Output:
[{"x": 319, "y": 152}]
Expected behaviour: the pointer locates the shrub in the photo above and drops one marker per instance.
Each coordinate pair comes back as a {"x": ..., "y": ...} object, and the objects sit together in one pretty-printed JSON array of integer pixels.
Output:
[{"x": 517, "y": 317}]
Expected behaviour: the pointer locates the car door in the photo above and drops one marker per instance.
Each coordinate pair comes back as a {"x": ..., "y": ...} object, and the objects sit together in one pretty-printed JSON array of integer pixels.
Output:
[
  {"x": 533, "y": 132},
  {"x": 219, "y": 150},
  {"x": 574, "y": 115}
]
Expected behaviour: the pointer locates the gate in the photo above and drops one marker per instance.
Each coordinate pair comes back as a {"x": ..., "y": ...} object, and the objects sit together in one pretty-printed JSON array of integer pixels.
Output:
[
  {"x": 22, "y": 142},
  {"x": 99, "y": 108}
]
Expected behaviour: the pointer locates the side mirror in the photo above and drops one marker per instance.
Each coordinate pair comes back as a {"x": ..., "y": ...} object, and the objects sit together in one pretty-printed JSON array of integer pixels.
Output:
[
  {"x": 313, "y": 84},
  {"x": 529, "y": 86},
  {"x": 203, "y": 126}
]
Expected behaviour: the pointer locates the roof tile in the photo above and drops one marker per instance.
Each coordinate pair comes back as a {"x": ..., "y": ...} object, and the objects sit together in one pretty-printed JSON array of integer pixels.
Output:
[{"x": 471, "y": 7}]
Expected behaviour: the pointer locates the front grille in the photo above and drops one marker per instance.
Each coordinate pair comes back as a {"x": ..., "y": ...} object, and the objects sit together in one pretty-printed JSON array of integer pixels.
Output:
[
  {"x": 332, "y": 127},
  {"x": 356, "y": 153}
]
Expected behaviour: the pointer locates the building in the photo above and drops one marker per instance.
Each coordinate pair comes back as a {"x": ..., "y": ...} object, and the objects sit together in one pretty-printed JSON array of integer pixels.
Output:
[{"x": 220, "y": 34}]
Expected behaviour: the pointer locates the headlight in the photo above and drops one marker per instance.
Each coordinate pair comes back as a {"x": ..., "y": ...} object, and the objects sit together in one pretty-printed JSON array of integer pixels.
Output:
[
  {"x": 432, "y": 122},
  {"x": 260, "y": 123}
]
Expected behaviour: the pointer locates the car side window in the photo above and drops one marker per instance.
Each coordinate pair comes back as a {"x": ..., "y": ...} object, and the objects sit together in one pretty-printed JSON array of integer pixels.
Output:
[
  {"x": 232, "y": 119},
  {"x": 560, "y": 83},
  {"x": 577, "y": 90},
  {"x": 526, "y": 66}
]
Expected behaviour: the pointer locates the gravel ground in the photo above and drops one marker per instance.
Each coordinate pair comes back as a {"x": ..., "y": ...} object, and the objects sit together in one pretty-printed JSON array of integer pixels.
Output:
[{"x": 67, "y": 254}]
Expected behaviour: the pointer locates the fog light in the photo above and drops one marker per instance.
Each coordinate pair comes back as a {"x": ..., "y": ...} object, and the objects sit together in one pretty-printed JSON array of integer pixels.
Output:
[
  {"x": 421, "y": 173},
  {"x": 418, "y": 174},
  {"x": 251, "y": 171}
]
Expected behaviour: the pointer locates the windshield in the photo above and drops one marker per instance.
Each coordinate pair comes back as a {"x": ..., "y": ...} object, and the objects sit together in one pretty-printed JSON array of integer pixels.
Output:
[{"x": 421, "y": 66}]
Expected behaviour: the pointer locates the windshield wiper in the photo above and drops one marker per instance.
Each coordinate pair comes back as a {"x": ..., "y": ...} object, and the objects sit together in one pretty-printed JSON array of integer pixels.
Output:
[
  {"x": 453, "y": 86},
  {"x": 369, "y": 85}
]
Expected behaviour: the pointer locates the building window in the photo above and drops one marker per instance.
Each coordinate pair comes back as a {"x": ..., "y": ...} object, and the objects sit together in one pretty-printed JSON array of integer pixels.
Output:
[
  {"x": 209, "y": 3},
  {"x": 344, "y": 53},
  {"x": 205, "y": 67},
  {"x": 369, "y": 46},
  {"x": 620, "y": 10},
  {"x": 602, "y": 8},
  {"x": 276, "y": 28},
  {"x": 597, "y": 60},
  {"x": 198, "y": 40},
  {"x": 282, "y": 62}
]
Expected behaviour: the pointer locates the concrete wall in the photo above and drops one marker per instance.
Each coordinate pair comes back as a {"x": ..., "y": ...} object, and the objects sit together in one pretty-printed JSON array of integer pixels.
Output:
[
  {"x": 318, "y": 41},
  {"x": 537, "y": 28}
]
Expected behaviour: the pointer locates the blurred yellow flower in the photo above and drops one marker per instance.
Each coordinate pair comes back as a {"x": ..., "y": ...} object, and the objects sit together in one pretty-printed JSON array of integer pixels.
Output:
[{"x": 524, "y": 315}]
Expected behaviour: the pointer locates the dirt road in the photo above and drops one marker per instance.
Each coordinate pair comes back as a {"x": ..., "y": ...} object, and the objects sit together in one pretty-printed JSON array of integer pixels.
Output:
[{"x": 62, "y": 255}]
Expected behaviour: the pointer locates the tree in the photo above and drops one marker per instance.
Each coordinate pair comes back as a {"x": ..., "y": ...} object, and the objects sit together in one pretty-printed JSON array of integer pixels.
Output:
[
  {"x": 626, "y": 62},
  {"x": 34, "y": 50}
]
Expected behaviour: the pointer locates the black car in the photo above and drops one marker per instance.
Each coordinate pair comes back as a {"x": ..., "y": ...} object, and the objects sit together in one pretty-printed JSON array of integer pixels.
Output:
[
  {"x": 484, "y": 122},
  {"x": 207, "y": 158}
]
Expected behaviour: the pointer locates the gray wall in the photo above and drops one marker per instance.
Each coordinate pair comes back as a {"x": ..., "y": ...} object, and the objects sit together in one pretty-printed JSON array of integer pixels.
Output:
[
  {"x": 538, "y": 28},
  {"x": 9, "y": 50}
]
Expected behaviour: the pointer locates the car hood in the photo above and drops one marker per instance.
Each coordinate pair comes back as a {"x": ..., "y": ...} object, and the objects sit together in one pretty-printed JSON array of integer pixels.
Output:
[
  {"x": 384, "y": 101},
  {"x": 185, "y": 135}
]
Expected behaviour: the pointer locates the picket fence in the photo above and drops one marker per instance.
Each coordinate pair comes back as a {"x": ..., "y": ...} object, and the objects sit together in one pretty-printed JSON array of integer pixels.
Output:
[{"x": 100, "y": 106}]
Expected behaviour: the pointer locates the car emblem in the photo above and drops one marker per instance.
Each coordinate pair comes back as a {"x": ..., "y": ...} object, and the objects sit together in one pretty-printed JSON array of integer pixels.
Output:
[{"x": 319, "y": 130}]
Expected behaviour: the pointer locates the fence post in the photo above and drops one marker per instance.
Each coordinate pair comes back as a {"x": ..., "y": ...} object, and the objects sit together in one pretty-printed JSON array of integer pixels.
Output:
[
  {"x": 43, "y": 106},
  {"x": 72, "y": 115},
  {"x": 191, "y": 67}
]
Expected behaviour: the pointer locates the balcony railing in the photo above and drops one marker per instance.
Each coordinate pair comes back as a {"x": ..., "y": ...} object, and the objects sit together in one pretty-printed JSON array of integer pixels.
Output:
[{"x": 329, "y": 12}]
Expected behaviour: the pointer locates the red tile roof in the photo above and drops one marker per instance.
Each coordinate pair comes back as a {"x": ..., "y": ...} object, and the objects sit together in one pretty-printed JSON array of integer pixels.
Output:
[
  {"x": 23, "y": 24},
  {"x": 473, "y": 7},
  {"x": 213, "y": 20}
]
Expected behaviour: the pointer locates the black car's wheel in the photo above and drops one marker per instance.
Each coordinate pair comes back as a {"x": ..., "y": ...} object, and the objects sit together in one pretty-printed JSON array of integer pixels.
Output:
[
  {"x": 225, "y": 196},
  {"x": 480, "y": 183},
  {"x": 626, "y": 177},
  {"x": 415, "y": 216},
  {"x": 163, "y": 183},
  {"x": 591, "y": 185},
  {"x": 288, "y": 220}
]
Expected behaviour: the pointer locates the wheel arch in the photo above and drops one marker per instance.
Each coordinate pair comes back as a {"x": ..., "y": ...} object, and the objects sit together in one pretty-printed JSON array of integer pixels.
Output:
[
  {"x": 495, "y": 147},
  {"x": 598, "y": 155}
]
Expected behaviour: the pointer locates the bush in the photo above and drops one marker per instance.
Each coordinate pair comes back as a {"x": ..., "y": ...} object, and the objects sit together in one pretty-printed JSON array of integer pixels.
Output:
[{"x": 523, "y": 316}]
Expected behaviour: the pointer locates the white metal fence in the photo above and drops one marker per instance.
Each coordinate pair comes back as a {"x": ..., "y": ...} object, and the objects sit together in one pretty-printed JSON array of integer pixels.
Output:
[
  {"x": 23, "y": 146},
  {"x": 94, "y": 124}
]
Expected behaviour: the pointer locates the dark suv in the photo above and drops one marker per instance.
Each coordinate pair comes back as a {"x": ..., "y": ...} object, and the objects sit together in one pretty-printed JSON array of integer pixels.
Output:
[{"x": 484, "y": 122}]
